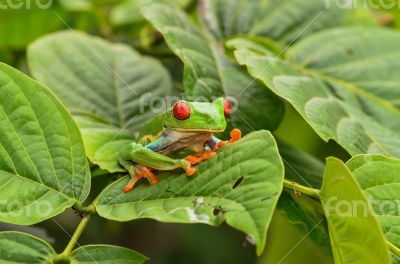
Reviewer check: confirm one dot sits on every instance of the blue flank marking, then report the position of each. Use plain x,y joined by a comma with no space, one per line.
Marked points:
152,147
160,142
213,142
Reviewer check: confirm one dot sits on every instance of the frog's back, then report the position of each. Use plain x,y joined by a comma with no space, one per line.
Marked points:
152,129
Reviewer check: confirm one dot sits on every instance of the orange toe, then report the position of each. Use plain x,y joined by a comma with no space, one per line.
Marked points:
221,144
128,188
235,134
190,171
146,170
207,155
193,160
211,154
153,180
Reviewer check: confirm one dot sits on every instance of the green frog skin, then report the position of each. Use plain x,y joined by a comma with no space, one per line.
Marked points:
187,126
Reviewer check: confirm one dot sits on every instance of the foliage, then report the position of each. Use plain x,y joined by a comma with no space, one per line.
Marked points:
41,150
91,64
348,237
79,78
241,187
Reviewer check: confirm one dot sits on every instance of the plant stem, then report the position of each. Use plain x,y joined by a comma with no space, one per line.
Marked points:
393,248
87,211
311,192
76,235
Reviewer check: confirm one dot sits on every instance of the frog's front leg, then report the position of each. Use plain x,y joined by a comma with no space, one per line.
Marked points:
200,157
235,134
139,161
212,145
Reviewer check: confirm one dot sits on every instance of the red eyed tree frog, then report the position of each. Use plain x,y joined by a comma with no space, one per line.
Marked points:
187,126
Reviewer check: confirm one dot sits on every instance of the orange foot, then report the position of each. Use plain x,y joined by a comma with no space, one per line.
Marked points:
235,134
190,171
129,187
196,159
200,157
141,172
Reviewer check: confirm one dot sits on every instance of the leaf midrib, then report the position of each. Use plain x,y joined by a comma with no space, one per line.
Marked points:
78,78
43,136
23,146
349,86
361,61
35,182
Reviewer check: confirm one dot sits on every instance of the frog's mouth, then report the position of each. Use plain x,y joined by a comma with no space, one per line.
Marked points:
200,130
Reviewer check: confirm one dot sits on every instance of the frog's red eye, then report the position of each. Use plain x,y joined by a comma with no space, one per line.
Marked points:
181,111
227,108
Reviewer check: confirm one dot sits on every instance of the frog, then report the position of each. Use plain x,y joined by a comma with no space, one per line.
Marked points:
186,127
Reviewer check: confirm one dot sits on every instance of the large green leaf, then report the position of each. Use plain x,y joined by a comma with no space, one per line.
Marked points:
379,177
345,84
354,231
240,186
16,247
106,254
43,166
209,73
284,20
109,86
98,78
20,26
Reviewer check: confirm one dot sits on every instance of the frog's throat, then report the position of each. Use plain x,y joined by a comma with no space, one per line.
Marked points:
188,130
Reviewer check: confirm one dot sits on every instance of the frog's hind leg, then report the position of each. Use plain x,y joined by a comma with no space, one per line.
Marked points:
139,161
148,174
135,174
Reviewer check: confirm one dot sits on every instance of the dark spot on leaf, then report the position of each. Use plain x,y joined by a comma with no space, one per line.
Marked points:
238,182
334,90
268,197
168,190
350,52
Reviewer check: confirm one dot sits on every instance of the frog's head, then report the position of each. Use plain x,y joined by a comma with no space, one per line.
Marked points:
197,116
